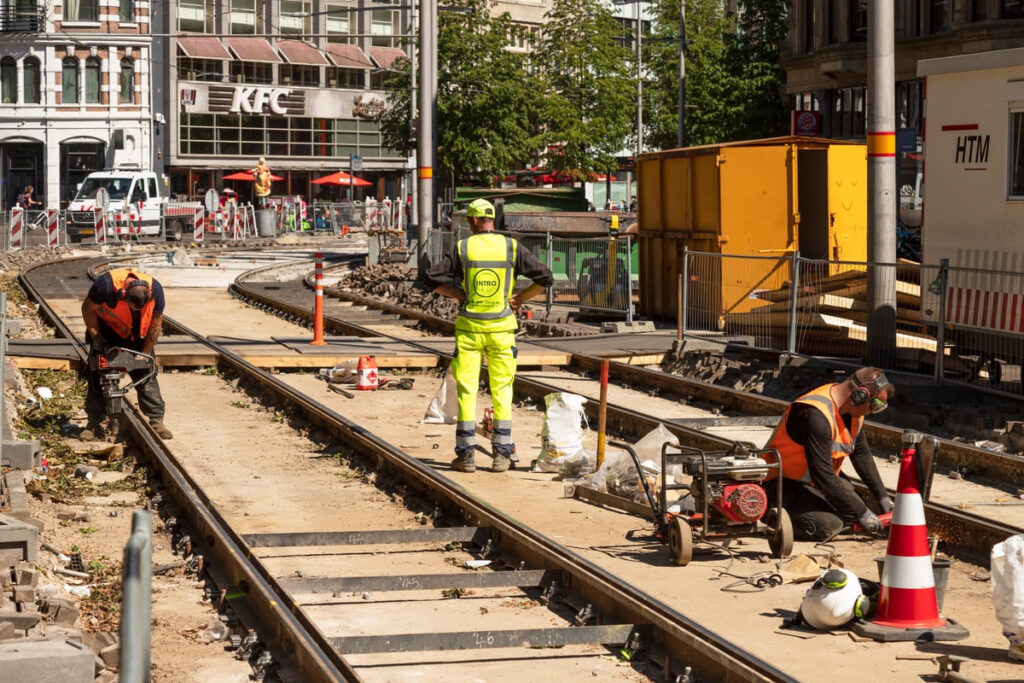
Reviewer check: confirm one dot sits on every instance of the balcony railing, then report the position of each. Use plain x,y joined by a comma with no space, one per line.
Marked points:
22,19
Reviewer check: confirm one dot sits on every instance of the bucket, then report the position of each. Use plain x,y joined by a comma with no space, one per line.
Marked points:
266,222
940,572
366,375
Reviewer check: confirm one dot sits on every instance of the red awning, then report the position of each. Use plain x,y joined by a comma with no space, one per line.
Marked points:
201,47
348,56
297,52
253,50
386,56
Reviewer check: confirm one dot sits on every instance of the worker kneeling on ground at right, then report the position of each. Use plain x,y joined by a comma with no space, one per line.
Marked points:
124,309
815,436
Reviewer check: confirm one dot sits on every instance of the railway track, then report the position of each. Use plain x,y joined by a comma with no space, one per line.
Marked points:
965,533
596,607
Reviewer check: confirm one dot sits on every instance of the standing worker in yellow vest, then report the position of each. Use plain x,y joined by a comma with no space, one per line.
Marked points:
480,272
126,309
817,433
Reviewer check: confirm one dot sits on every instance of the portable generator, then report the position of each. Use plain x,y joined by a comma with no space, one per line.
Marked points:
726,499
110,366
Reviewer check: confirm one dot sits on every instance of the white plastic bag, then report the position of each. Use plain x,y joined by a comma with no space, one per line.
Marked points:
562,432
1008,591
618,474
444,407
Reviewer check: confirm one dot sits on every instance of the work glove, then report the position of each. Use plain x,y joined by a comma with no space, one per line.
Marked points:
98,346
870,523
886,504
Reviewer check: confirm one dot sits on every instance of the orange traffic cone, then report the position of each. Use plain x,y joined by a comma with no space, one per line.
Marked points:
366,374
907,605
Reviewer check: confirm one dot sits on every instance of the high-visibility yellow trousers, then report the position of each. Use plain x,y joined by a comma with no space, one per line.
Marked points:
500,350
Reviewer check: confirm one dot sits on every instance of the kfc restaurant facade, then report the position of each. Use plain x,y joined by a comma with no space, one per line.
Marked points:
240,98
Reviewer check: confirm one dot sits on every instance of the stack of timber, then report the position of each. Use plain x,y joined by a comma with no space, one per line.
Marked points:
832,316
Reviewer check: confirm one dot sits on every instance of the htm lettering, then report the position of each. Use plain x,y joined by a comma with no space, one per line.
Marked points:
972,149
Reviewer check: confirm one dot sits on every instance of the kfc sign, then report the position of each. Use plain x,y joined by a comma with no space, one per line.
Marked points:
253,100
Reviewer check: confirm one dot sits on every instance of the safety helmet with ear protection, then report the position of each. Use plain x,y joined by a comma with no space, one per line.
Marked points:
834,600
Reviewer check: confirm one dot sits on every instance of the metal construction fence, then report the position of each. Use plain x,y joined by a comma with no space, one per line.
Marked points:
954,324
583,280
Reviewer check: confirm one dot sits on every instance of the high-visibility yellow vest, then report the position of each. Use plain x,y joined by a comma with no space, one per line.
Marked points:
488,279
794,459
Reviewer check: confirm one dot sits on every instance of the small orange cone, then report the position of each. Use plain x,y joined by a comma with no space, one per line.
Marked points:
907,605
366,374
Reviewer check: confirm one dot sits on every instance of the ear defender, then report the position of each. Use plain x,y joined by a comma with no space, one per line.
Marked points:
862,394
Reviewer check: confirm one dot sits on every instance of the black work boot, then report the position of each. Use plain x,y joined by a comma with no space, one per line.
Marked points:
93,431
161,430
463,461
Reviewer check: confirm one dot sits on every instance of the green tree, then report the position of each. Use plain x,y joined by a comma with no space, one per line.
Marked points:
586,104
484,98
733,77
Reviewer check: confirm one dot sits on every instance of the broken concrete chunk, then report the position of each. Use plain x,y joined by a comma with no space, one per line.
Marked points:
111,655
86,471
24,594
74,515
25,574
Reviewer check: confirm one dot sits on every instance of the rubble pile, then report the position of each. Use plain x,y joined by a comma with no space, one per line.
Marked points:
981,424
394,283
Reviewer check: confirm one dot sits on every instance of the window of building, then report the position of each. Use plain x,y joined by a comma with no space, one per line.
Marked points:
939,15
835,20
30,79
299,74
1016,189
1013,8
126,11
195,16
345,78
848,105
858,20
384,26
92,81
339,23
69,81
8,80
805,101
907,19
290,23
251,72
809,22
244,16
81,10
126,94
191,69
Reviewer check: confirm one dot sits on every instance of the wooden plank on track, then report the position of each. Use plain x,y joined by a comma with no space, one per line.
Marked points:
30,363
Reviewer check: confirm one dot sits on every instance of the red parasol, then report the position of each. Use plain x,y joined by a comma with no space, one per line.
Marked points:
343,179
247,175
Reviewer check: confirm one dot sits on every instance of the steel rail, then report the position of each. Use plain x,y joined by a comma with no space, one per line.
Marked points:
691,644
969,534
289,633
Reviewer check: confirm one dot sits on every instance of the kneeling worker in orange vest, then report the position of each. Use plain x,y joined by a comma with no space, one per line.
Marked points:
125,309
815,436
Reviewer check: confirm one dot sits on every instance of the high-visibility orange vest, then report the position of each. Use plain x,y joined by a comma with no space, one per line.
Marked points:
794,460
119,318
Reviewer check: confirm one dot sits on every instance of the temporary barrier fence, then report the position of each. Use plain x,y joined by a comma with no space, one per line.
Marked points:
954,324
17,234
52,228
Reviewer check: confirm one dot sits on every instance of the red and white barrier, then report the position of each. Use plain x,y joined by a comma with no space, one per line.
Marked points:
52,228
318,303
17,228
99,225
236,223
197,225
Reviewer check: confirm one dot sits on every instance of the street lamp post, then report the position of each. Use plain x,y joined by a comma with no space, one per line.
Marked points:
425,131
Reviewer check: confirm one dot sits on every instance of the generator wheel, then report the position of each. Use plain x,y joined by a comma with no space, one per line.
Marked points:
680,541
781,541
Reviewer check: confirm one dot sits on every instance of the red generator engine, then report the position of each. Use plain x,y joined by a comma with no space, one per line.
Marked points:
725,498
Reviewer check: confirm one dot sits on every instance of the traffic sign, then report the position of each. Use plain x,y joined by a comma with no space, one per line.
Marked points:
356,163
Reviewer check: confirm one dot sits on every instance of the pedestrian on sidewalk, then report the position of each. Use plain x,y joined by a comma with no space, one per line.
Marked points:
480,272
124,309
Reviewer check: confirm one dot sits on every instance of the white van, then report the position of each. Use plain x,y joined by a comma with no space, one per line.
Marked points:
125,188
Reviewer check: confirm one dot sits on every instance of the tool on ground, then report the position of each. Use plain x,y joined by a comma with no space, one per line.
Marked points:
884,519
725,499
405,383
343,392
110,365
908,606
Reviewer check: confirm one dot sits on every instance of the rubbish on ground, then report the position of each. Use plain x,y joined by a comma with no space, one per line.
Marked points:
71,573
562,432
45,393
214,632
1007,564
800,569
164,568
477,564
444,407
345,371
86,471
78,591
